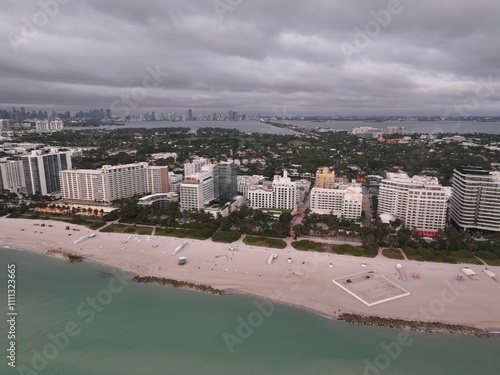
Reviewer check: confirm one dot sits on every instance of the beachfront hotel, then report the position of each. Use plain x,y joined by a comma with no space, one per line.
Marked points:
280,194
113,182
41,170
12,176
157,179
198,190
420,201
261,196
344,202
475,202
285,192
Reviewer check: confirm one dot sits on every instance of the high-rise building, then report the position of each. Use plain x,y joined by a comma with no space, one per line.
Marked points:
41,170
285,192
12,176
175,181
47,126
225,181
197,190
195,166
109,183
280,194
245,182
475,201
325,179
190,114
420,201
157,179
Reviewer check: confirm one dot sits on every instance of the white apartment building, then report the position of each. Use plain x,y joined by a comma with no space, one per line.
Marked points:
47,126
420,201
164,155
106,184
303,186
198,189
12,176
245,182
285,192
427,207
261,196
367,132
175,181
41,170
353,203
281,194
475,201
195,166
346,202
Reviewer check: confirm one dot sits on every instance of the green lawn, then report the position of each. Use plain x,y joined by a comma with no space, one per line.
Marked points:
490,258
441,256
226,236
357,251
306,245
131,229
265,242
196,234
345,249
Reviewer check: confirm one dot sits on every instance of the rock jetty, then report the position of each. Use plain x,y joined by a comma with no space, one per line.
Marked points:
178,284
72,258
412,325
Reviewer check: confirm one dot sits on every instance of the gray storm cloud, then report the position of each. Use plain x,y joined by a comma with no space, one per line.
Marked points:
310,57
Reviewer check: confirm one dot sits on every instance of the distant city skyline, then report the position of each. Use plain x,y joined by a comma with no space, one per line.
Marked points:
281,58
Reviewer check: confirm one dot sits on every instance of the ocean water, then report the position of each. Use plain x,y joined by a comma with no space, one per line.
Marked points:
425,127
82,319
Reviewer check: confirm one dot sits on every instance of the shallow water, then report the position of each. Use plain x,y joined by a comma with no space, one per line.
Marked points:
121,327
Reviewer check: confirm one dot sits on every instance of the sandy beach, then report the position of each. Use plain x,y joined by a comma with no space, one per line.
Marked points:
306,281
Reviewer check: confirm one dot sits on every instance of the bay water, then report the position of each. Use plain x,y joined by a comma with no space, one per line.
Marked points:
247,126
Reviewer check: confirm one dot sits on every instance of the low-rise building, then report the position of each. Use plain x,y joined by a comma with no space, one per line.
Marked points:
161,200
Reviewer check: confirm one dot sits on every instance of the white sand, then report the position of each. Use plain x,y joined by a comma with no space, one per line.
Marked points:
436,296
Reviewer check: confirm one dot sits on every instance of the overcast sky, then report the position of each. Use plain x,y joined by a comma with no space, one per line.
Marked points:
282,57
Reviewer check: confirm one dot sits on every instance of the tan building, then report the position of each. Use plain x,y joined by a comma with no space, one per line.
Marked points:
325,179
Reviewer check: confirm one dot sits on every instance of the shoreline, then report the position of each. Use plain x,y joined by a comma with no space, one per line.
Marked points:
245,272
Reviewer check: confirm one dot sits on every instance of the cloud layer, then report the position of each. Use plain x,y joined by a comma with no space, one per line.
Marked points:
289,56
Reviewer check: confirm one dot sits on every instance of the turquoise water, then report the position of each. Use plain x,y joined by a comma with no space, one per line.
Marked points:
148,329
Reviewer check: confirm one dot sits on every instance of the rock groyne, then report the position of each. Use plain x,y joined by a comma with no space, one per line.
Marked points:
72,258
412,325
178,284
